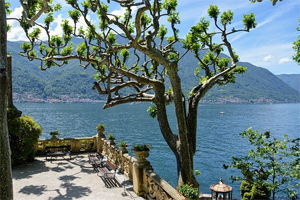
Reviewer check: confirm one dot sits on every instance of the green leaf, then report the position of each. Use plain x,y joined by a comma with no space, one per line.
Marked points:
35,33
213,11
75,15
169,5
48,20
249,21
111,38
80,49
25,46
162,32
226,17
152,111
67,51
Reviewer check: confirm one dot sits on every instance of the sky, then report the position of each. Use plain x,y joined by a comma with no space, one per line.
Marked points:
269,45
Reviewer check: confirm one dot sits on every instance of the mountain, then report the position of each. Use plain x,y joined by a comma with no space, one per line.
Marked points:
73,83
257,84
292,80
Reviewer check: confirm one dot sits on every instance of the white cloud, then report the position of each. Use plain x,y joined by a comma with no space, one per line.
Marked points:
268,58
121,12
284,60
16,33
58,21
16,13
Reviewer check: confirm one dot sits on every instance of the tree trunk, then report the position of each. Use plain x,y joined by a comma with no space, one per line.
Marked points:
9,82
6,189
186,140
185,168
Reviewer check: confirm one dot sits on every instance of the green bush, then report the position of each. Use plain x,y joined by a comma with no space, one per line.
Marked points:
188,191
255,190
260,191
23,134
245,187
247,196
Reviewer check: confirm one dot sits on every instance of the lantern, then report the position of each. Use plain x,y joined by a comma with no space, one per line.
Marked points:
221,191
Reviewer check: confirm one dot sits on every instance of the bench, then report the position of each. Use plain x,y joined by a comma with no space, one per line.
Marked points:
108,173
96,160
104,168
55,151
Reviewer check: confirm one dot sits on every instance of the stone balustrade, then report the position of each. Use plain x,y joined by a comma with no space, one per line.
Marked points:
146,182
78,145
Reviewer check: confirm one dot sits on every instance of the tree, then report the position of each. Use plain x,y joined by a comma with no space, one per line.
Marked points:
273,1
272,166
6,186
6,190
296,43
296,47
154,60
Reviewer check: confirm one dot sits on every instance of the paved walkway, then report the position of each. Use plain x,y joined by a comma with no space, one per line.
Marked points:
65,179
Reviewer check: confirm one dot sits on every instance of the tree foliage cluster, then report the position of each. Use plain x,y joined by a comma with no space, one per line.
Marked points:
296,46
271,167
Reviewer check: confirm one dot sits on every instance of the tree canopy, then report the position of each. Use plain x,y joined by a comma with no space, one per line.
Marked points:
147,33
272,166
296,46
273,1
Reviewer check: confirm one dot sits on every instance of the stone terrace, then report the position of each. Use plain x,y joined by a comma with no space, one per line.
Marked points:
65,179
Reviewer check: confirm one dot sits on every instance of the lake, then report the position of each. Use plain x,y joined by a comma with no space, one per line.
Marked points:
218,136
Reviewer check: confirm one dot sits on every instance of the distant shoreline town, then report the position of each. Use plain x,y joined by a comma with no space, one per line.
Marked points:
29,98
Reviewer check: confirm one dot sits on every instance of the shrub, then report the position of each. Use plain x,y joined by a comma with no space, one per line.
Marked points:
245,187
188,191
247,196
255,190
23,134
260,191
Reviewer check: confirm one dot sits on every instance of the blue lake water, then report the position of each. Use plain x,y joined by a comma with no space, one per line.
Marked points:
218,136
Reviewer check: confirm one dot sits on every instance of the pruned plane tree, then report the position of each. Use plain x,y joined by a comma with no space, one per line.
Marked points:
134,56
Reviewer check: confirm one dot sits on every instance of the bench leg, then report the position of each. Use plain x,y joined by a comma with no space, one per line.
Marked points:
105,182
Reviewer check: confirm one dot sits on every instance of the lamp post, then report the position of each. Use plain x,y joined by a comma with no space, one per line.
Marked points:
221,191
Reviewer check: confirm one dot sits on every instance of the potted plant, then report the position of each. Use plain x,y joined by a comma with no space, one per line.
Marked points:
100,129
111,138
54,134
123,145
141,147
141,150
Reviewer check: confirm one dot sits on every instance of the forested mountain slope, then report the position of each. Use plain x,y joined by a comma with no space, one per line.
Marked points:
292,80
73,83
